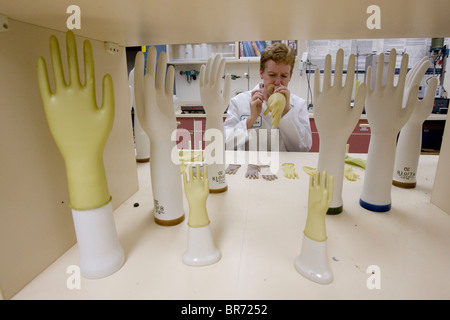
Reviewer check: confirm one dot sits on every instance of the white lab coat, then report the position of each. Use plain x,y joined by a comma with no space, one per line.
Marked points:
294,130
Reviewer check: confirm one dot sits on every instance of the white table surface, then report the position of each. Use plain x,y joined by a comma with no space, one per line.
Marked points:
258,227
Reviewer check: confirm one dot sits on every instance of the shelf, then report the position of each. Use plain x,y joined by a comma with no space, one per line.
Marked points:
232,52
253,49
255,266
135,23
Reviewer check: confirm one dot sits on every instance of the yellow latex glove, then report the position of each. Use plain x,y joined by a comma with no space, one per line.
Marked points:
184,159
309,170
289,170
188,156
197,191
319,200
349,174
79,128
275,105
355,161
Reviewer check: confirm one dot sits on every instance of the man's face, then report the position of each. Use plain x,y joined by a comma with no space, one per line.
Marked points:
276,73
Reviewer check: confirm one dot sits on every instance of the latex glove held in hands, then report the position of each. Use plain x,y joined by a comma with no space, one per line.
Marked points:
275,105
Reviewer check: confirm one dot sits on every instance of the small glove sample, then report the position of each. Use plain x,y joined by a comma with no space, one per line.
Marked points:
349,174
309,170
266,173
197,191
289,170
184,159
232,168
355,161
252,171
189,156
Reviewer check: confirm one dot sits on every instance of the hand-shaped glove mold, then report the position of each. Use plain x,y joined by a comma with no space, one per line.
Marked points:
140,137
80,130
201,249
312,262
335,120
154,105
410,139
215,103
388,108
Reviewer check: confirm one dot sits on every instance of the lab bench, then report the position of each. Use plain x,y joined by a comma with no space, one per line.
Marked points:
258,227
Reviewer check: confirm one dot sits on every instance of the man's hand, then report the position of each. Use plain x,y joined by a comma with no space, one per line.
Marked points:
256,103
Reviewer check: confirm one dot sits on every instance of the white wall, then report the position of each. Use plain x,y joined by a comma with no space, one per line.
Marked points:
298,85
35,219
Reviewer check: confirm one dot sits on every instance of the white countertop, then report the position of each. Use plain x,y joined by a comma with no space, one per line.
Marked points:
258,227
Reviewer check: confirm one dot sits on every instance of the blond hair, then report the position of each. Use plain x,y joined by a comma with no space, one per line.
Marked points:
280,53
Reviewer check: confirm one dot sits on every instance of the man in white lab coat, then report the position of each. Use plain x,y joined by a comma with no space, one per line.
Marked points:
245,116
